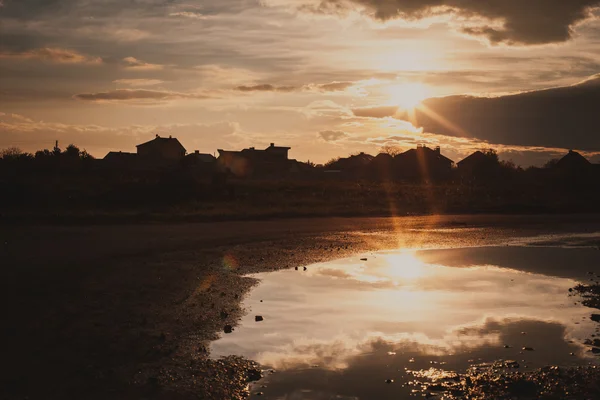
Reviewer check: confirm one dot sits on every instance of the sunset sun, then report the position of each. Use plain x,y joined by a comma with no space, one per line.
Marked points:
408,95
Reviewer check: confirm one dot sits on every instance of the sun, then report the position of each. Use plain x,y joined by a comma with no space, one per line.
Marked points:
408,95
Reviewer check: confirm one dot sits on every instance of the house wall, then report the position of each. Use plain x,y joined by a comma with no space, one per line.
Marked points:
278,152
165,150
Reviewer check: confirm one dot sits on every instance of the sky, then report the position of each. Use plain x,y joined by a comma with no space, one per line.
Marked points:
326,77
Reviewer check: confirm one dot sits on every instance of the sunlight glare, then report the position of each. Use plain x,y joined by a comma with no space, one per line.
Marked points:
408,95
405,266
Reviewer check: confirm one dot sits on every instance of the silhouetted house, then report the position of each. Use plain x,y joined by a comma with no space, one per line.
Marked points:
423,164
200,163
382,167
199,158
121,160
573,161
353,166
272,161
161,148
479,166
573,170
157,154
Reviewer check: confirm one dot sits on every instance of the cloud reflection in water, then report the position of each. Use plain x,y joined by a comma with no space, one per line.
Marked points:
341,328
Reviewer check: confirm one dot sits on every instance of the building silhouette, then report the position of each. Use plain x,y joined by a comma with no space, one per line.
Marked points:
253,162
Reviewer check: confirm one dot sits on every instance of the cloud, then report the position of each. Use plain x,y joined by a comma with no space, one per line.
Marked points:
139,65
375,112
332,136
138,82
332,87
319,87
512,22
564,117
266,88
138,94
216,73
52,54
188,14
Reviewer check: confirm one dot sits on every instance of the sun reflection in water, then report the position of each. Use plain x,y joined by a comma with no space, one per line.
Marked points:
405,266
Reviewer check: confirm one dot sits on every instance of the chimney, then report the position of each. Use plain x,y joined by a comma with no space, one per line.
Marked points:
438,149
170,137
157,136
197,151
272,144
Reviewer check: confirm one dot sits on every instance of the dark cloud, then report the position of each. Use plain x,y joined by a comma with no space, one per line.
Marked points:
137,94
514,22
332,136
266,88
51,54
565,117
320,87
334,86
135,64
375,112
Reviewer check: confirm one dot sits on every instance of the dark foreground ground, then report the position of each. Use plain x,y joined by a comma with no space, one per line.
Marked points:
127,311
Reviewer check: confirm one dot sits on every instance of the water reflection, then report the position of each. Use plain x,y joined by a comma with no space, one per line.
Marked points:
342,328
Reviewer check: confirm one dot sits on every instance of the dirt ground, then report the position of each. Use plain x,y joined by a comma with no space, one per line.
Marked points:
127,311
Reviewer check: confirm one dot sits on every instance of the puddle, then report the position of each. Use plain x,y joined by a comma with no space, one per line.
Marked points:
342,329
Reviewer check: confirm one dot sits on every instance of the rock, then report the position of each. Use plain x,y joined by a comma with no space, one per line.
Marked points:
389,381
305,268
527,349
259,393
254,374
363,259
596,317
506,346
296,268
228,329
224,315
258,318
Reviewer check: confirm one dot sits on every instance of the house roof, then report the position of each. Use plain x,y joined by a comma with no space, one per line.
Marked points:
161,141
475,157
427,151
573,159
120,155
252,150
354,161
203,157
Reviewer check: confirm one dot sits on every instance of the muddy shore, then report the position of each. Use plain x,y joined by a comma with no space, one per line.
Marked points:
127,311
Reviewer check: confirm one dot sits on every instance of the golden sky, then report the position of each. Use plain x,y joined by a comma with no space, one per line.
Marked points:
327,78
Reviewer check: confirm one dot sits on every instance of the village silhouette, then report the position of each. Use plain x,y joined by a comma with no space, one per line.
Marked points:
161,175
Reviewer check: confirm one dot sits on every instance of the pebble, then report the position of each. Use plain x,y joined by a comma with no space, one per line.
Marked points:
258,318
